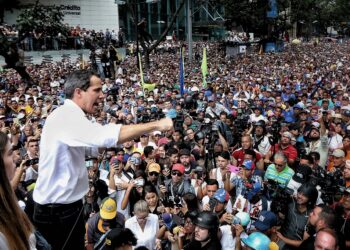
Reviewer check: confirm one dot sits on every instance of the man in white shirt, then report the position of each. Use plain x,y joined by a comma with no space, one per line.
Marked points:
63,179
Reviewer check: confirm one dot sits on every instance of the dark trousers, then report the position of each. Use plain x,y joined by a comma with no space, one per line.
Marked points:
58,222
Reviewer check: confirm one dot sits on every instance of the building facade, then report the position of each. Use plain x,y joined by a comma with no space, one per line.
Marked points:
89,14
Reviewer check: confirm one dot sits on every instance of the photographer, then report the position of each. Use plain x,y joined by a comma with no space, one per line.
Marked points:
318,140
261,141
176,187
291,233
286,147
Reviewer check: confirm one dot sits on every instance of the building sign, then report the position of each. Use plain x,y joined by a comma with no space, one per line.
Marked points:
73,10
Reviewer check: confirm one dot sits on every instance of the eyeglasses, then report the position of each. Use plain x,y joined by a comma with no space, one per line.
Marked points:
141,219
153,174
279,165
176,173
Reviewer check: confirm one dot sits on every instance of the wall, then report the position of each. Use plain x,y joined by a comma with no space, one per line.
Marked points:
90,14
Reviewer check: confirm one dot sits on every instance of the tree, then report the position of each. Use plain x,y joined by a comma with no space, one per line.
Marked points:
47,20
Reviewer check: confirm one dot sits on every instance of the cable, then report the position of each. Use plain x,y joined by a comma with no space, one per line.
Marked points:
71,231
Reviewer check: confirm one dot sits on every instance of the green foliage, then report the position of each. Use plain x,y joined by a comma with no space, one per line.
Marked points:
47,20
251,14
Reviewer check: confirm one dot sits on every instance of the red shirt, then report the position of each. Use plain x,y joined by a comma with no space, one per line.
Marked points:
290,152
238,154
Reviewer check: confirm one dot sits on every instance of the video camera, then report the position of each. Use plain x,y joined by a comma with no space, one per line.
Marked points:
278,195
332,186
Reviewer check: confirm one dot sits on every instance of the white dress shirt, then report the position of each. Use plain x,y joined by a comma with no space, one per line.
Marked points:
62,173
148,236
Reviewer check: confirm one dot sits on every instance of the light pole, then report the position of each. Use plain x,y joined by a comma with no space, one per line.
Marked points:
189,30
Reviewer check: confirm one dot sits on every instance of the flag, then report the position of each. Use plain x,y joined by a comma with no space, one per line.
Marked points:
181,74
183,58
261,51
204,68
141,72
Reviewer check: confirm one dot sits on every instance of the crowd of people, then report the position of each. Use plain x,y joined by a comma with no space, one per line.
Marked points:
68,38
257,159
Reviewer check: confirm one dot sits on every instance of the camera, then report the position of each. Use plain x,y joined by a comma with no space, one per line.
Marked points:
32,162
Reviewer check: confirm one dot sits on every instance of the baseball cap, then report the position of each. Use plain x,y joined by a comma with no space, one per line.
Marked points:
157,133
108,209
338,153
266,220
221,195
179,167
248,164
154,167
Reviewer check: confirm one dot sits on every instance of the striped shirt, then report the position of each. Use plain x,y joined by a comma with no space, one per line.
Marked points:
282,177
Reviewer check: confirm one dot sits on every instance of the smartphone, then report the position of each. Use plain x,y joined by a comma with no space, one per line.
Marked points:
140,182
212,203
89,163
32,162
235,220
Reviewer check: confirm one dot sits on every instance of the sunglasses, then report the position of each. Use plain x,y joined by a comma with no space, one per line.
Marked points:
176,173
153,174
279,165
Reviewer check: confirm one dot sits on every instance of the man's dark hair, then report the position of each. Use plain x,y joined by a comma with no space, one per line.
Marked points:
223,113
119,237
211,182
250,152
147,150
308,158
172,151
315,155
79,79
225,155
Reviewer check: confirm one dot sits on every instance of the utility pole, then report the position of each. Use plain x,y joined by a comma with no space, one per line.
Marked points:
189,29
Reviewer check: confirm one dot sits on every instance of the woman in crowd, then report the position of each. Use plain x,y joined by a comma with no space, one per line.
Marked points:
135,190
144,225
152,199
187,231
16,231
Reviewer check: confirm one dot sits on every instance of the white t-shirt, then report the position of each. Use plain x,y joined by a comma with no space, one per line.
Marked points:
120,195
148,236
62,175
227,241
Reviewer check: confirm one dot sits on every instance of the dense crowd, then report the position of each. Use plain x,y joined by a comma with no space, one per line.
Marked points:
68,38
258,159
